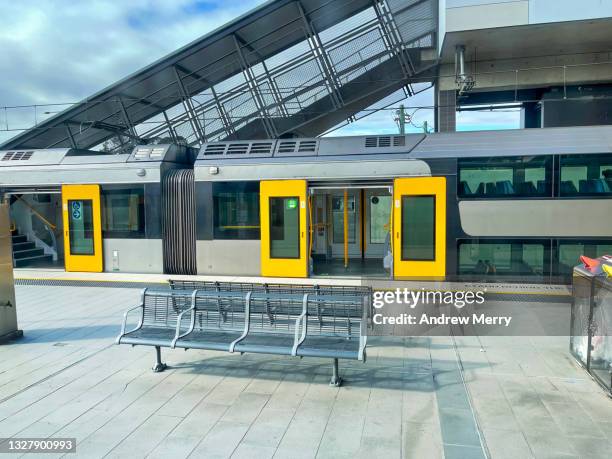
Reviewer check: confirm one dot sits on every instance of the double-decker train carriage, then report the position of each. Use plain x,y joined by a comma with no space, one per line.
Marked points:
487,205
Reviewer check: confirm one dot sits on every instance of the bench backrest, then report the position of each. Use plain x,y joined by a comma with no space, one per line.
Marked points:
290,289
331,311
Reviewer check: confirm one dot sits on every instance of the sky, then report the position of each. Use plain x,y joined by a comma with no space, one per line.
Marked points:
61,51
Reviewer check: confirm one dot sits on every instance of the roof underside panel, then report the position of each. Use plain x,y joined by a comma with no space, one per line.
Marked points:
287,67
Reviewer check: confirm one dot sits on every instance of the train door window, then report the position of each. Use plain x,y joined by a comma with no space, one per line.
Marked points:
418,228
380,210
80,227
284,227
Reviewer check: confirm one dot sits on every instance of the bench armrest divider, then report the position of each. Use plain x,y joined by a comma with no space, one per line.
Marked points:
179,320
247,319
300,337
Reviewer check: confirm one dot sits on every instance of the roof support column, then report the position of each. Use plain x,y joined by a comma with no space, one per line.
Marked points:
191,113
325,65
252,84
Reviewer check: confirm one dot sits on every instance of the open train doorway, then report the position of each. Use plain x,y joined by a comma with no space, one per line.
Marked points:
36,228
350,230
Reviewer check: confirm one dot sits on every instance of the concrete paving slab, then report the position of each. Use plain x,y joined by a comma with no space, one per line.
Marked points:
415,397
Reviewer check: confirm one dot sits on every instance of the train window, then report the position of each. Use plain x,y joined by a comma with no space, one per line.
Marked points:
496,258
585,175
236,210
526,176
570,251
419,228
123,214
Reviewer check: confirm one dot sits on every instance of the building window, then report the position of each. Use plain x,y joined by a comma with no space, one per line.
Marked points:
236,210
489,259
585,175
570,251
123,214
527,176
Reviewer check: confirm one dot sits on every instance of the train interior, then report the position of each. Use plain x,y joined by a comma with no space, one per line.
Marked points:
37,229
350,231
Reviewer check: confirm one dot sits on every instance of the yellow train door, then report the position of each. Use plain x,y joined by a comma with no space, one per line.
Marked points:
82,228
283,228
419,227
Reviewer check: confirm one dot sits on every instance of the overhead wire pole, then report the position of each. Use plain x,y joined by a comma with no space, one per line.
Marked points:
193,119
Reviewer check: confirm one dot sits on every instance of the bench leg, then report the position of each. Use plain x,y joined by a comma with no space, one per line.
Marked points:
336,380
159,366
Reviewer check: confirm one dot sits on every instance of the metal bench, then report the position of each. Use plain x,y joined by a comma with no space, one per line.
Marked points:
322,322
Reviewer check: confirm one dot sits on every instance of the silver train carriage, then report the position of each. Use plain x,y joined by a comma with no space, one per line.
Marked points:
484,206
83,210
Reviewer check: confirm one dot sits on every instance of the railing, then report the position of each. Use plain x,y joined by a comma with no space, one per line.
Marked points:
36,213
49,227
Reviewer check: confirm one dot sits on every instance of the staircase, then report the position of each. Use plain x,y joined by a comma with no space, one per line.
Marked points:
26,254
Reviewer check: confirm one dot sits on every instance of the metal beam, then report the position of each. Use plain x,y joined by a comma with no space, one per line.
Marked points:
320,55
170,128
252,83
126,118
275,91
70,136
191,113
391,38
225,118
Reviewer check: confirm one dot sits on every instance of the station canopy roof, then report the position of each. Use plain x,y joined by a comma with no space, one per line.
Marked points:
286,68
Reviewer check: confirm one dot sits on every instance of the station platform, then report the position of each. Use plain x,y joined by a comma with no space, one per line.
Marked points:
510,291
436,397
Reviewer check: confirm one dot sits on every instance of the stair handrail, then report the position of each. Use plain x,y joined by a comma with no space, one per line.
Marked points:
37,214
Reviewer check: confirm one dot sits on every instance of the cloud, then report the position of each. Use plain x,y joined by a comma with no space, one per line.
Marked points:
56,51
59,52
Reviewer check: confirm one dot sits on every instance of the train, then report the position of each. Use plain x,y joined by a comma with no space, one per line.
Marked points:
490,206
